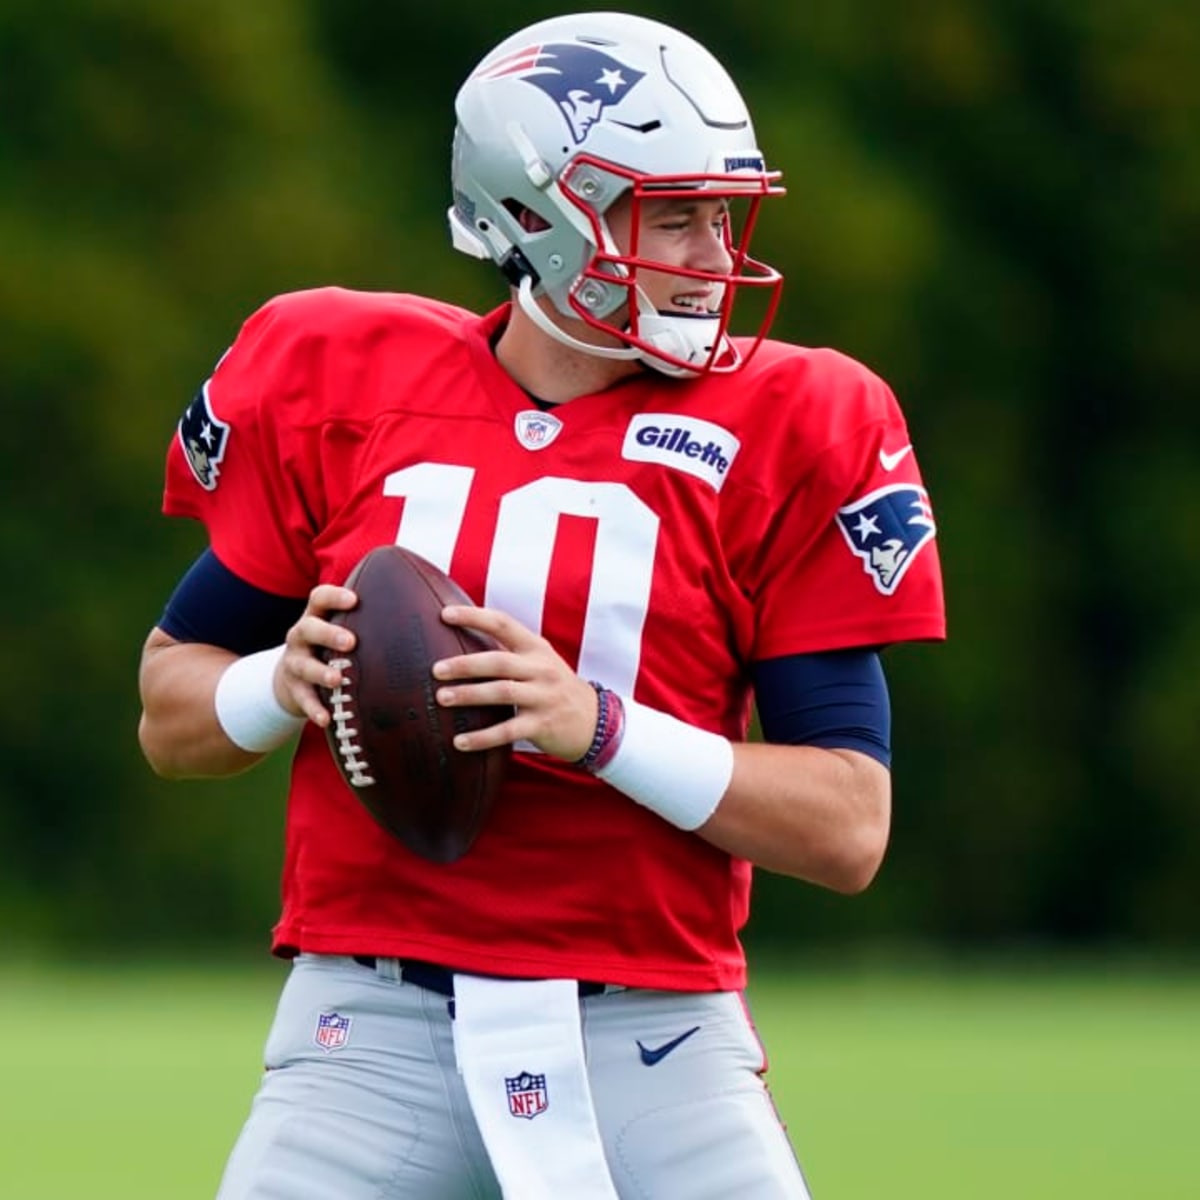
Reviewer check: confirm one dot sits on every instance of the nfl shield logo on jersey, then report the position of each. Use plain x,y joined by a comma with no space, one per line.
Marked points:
333,1031
536,430
526,1095
887,529
203,438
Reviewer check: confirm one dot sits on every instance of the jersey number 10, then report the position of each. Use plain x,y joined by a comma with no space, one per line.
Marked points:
436,496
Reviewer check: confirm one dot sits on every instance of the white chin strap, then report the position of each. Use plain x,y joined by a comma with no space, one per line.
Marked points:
534,311
685,337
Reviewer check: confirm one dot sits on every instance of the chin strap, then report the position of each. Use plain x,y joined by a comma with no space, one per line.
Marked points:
685,337
534,311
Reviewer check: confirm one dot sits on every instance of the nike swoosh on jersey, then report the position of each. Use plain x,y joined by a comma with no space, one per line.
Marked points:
889,462
650,1056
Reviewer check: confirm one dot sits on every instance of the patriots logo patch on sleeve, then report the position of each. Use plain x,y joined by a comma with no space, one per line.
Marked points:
887,529
203,437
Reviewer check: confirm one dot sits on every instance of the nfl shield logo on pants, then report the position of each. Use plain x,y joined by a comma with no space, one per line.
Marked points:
333,1031
526,1095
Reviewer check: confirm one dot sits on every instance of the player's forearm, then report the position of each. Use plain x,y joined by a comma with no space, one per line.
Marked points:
179,732
820,815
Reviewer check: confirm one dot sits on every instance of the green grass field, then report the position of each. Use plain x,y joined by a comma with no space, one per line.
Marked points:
130,1083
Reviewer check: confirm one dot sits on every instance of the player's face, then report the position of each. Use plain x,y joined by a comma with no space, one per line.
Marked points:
691,233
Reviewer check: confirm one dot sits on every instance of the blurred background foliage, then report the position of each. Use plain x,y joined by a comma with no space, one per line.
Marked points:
995,205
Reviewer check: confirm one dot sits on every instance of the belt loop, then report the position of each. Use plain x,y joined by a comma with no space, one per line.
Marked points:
388,968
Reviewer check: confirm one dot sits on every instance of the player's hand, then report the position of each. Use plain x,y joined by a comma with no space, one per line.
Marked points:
300,671
556,709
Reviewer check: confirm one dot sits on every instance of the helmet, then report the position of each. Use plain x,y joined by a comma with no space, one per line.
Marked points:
566,117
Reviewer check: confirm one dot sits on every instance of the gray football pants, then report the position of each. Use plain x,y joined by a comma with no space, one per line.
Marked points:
376,1110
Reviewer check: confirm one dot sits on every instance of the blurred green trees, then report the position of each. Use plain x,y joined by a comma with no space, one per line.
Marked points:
997,206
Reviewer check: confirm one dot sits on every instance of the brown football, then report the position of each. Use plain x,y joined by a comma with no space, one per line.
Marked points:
391,740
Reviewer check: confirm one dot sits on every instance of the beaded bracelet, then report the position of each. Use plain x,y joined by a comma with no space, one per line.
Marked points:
614,731
610,725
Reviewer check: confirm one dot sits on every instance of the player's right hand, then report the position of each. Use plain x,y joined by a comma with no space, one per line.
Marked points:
301,670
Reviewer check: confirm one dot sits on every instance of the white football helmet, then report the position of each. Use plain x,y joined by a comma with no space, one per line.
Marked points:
561,120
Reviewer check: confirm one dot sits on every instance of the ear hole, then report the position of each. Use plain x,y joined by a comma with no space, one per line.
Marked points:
529,220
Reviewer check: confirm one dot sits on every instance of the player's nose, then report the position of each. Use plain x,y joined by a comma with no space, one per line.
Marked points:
710,251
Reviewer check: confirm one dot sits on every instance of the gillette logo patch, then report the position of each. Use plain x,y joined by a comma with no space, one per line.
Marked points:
698,447
682,441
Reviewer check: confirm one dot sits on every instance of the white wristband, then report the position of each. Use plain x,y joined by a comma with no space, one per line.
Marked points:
247,709
674,769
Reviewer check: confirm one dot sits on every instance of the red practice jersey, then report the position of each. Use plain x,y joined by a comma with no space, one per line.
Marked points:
662,534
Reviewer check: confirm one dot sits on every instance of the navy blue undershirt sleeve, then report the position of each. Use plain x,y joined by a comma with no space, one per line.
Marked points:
213,605
837,699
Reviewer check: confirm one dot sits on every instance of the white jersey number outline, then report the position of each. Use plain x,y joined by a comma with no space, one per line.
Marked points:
435,502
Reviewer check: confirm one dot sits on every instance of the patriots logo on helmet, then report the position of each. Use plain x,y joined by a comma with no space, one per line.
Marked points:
581,80
203,437
887,529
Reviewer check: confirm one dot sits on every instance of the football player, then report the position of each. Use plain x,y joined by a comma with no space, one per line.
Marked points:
665,518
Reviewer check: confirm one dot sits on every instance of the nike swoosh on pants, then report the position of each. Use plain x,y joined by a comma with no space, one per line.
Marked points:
652,1055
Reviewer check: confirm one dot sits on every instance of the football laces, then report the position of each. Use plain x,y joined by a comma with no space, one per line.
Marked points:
355,766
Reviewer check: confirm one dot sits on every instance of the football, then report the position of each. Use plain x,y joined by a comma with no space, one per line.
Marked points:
392,742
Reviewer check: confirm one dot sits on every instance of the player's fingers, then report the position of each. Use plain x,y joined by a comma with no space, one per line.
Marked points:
506,629
560,720
313,631
304,673
488,664
330,597
525,726
503,733
309,702
485,694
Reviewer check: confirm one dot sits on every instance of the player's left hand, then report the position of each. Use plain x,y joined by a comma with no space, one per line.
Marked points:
556,710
